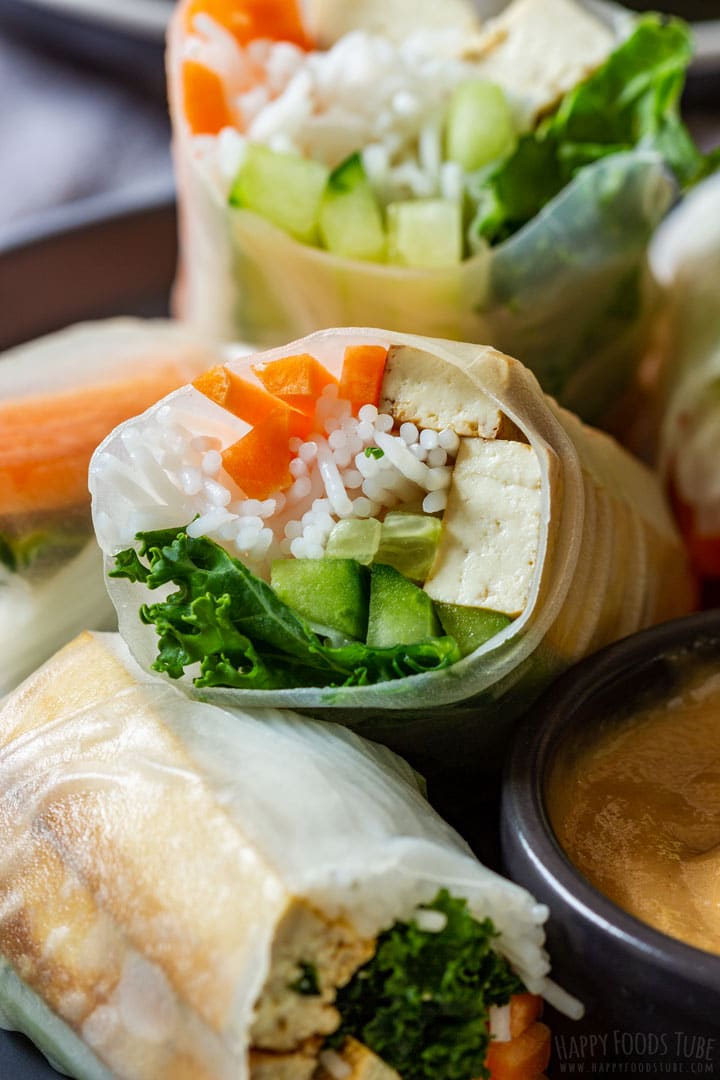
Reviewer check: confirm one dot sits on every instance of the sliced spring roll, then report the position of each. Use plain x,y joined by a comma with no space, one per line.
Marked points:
492,182
59,397
192,893
403,531
686,259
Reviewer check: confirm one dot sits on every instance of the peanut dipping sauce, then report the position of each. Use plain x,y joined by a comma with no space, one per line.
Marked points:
638,812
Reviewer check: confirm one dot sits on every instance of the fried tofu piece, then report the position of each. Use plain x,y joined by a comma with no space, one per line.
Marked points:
422,389
364,1065
538,50
490,539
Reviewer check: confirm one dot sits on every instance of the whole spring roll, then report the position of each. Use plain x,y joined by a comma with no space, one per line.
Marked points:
193,894
59,397
686,259
483,182
401,532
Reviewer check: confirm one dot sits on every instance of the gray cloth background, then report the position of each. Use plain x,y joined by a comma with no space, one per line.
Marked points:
68,132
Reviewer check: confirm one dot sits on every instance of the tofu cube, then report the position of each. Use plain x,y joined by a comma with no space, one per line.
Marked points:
490,541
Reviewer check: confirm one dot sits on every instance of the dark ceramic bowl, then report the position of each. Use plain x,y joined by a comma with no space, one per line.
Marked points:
652,1003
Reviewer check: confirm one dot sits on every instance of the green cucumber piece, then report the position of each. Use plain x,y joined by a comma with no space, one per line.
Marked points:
351,223
400,613
471,627
426,233
332,592
480,126
409,542
284,188
354,538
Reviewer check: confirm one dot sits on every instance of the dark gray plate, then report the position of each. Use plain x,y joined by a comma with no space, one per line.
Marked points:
125,38
104,256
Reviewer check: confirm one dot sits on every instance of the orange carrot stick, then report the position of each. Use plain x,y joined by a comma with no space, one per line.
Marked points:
47,441
525,1009
362,374
204,101
297,380
259,463
247,400
523,1058
278,20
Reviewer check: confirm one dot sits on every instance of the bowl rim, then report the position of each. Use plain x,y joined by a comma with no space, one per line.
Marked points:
525,814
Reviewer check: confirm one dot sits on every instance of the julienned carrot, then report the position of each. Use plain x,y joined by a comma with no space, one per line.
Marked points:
297,380
362,374
47,441
259,463
204,101
278,20
247,400
522,1058
525,1009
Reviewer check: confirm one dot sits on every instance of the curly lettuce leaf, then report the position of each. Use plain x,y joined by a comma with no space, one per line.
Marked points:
631,101
242,635
422,1002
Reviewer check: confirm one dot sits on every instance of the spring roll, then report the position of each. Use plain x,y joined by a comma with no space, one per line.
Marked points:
187,892
401,532
481,182
59,397
686,259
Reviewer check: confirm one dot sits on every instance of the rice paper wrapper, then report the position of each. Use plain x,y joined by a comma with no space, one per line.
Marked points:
609,562
59,397
569,294
155,851
686,261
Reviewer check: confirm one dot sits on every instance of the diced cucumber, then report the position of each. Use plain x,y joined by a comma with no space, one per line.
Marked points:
425,233
354,538
351,223
328,591
480,126
400,613
284,188
471,627
409,542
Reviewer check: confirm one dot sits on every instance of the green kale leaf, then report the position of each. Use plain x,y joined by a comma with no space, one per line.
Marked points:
422,1002
241,634
631,101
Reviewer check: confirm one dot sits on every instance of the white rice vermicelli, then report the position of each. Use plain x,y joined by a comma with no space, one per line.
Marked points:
363,94
358,468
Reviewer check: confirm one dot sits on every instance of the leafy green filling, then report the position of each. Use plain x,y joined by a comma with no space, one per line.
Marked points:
307,983
25,552
631,101
422,1002
239,631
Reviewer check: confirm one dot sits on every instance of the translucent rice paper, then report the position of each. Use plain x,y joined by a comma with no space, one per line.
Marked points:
610,562
42,608
686,260
151,846
569,294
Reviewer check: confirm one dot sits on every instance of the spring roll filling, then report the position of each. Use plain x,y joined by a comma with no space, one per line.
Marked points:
381,135
290,551
34,545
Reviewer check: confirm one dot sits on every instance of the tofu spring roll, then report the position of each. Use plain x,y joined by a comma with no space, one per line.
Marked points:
404,533
686,259
483,182
59,397
193,894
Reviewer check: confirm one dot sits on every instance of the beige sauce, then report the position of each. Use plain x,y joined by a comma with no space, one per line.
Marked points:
639,814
